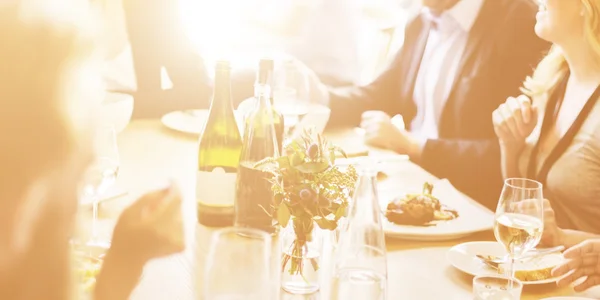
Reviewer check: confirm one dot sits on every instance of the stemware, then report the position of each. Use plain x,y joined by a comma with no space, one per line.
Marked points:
290,94
519,219
489,287
99,177
238,265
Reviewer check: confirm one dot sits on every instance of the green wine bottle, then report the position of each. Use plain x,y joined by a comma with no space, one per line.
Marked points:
218,155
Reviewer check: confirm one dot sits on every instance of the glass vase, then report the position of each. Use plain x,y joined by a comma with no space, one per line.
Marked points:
302,248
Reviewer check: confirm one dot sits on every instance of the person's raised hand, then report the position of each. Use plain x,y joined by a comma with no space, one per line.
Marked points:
152,227
514,121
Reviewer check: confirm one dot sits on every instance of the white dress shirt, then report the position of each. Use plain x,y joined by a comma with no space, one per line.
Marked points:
445,46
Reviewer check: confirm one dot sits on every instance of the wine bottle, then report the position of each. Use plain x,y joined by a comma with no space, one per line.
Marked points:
254,196
218,155
264,76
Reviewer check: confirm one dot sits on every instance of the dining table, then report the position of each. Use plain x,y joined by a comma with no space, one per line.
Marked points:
151,154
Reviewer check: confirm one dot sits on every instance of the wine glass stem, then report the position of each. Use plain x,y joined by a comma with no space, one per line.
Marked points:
94,218
511,268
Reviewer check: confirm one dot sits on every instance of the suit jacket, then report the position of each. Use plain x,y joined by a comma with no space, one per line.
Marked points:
502,49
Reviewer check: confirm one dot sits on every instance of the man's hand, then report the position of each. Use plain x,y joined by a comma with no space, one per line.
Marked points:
381,132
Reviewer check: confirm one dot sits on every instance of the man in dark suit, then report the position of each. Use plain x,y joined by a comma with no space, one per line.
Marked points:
460,60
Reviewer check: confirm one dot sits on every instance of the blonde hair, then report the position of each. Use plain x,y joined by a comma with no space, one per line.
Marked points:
554,66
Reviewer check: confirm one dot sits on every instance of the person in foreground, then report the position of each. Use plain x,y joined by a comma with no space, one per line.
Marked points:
552,133
460,60
46,130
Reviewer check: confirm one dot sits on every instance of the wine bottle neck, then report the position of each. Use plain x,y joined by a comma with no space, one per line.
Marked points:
262,92
222,91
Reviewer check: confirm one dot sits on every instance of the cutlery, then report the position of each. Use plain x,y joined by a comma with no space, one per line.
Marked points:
494,261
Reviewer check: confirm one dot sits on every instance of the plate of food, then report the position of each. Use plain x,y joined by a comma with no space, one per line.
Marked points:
435,213
533,269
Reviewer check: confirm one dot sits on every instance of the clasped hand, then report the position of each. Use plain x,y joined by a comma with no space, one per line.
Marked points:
514,121
381,132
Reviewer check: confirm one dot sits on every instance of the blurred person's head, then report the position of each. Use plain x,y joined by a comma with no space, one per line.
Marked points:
47,86
572,26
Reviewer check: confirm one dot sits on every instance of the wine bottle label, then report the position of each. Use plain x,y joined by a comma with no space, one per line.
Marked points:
216,188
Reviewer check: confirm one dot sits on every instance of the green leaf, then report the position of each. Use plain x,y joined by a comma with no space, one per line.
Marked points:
283,214
313,167
325,223
297,159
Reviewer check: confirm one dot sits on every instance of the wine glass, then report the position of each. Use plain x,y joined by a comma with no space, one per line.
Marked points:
100,176
290,94
519,220
243,256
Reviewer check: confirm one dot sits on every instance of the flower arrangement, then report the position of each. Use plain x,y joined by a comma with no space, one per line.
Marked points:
309,189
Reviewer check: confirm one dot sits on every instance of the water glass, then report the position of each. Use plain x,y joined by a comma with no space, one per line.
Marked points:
360,268
496,287
238,266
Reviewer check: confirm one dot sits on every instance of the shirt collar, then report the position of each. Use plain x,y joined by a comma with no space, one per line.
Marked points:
464,13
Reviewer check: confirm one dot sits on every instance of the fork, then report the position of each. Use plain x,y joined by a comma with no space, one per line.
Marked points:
495,261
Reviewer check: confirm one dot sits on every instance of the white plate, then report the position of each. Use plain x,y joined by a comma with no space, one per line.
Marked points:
472,218
191,121
567,298
463,257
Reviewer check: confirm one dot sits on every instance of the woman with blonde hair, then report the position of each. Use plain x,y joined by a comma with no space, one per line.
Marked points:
47,78
554,138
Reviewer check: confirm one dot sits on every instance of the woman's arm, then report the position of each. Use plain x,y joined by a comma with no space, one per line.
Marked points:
509,161
118,277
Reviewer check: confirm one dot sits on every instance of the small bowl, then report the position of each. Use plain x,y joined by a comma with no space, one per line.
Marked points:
117,109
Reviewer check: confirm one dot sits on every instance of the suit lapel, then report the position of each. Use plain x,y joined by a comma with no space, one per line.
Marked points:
417,35
476,35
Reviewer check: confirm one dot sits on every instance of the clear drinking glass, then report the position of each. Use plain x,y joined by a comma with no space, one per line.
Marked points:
519,220
496,287
100,176
290,94
360,259
238,265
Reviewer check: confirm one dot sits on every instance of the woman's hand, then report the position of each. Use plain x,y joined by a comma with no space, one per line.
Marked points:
150,228
583,260
514,121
